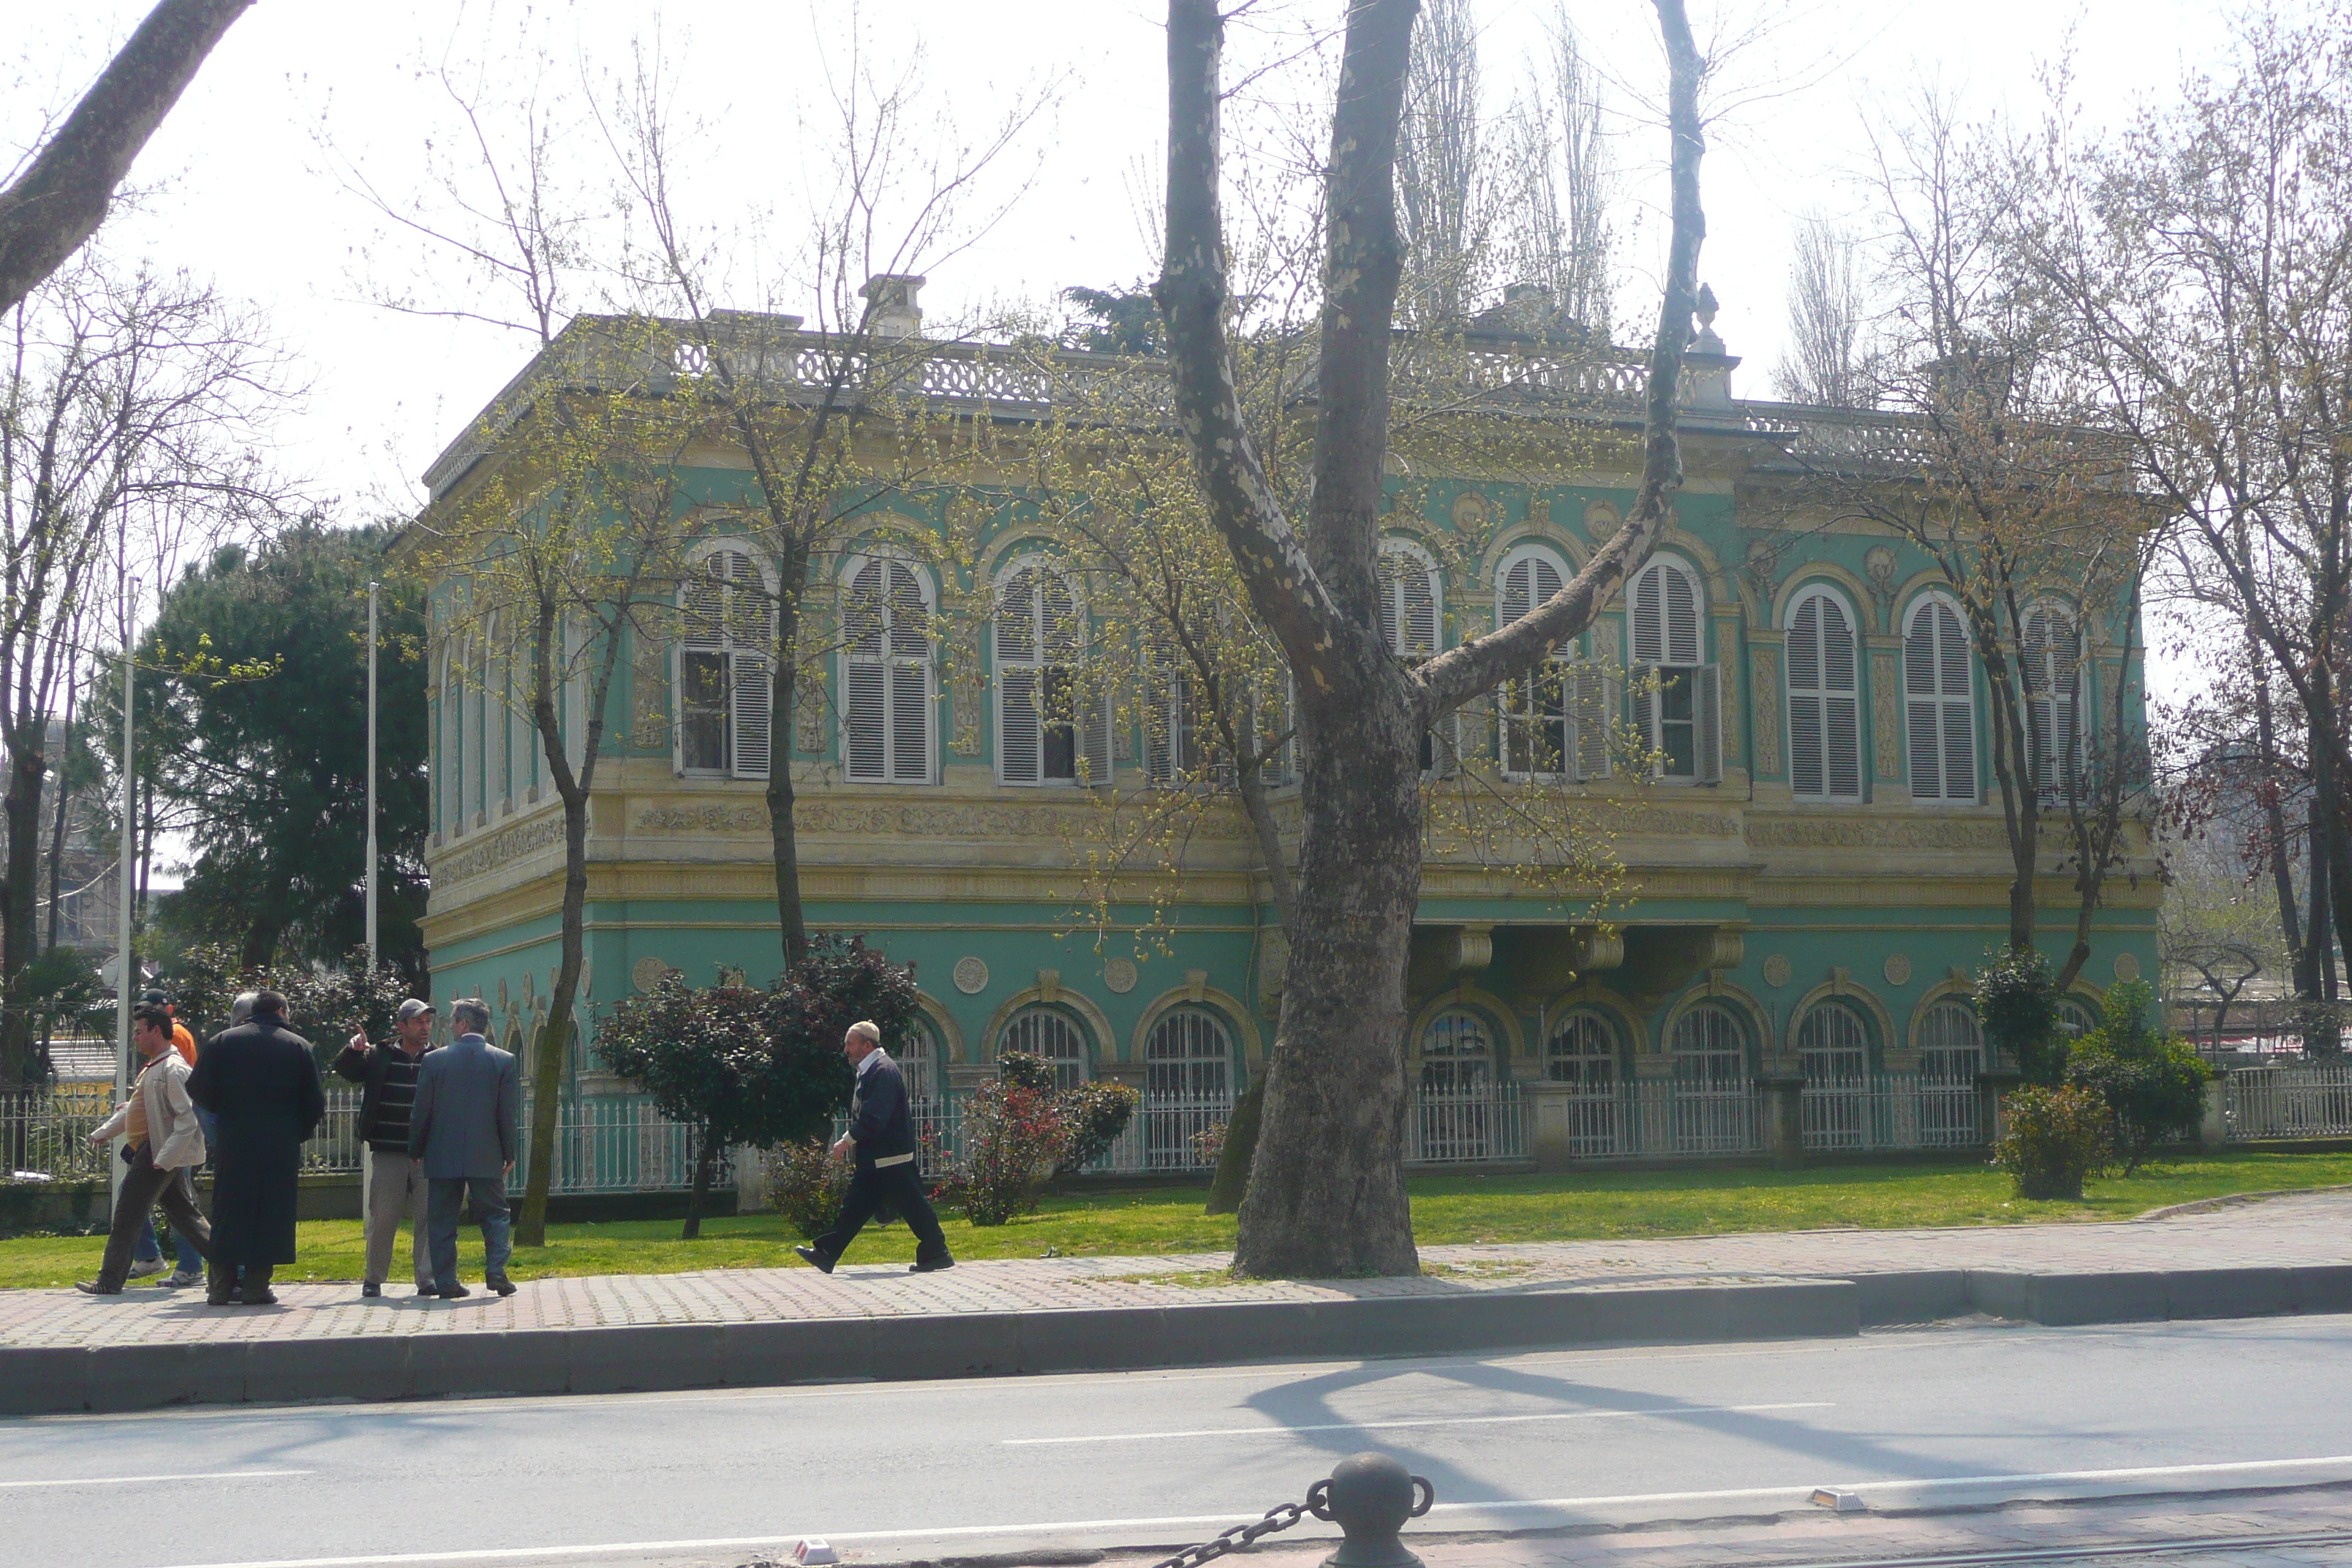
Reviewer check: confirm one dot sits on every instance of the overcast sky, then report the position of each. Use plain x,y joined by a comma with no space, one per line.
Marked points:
239,190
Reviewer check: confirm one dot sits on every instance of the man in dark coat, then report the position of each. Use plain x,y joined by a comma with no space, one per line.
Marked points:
259,1080
881,1137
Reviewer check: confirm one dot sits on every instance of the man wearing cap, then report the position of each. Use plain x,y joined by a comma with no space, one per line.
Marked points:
881,1139
147,1256
396,1183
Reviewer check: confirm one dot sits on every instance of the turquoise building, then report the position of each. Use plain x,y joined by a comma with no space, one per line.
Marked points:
1814,863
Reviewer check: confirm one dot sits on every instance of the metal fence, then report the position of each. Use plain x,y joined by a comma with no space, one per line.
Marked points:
1892,1111
2311,1101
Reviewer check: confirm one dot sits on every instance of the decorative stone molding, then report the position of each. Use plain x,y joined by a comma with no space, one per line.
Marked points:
1887,713
812,714
1897,969
1601,522
2127,966
1878,566
956,820
1871,833
1472,512
492,853
716,818
970,976
1049,985
649,972
1119,974
1778,970
1764,706
965,692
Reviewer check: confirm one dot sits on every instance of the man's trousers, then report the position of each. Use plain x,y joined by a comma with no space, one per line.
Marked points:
485,1200
145,1185
396,1190
901,1187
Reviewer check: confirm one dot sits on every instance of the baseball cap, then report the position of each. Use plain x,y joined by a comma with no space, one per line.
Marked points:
157,996
412,1007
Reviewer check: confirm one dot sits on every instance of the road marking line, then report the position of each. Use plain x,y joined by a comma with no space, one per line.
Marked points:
1429,1421
1795,1494
141,1481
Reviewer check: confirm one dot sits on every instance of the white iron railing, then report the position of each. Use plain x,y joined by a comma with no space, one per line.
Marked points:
1891,1110
2312,1101
1474,1125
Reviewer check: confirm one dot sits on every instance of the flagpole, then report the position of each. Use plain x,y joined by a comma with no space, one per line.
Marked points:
371,785
129,838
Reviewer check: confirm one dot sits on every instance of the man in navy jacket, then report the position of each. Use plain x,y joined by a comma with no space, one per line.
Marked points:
882,1137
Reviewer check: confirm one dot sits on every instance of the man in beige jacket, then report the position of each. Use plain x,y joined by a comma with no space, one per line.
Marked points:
164,1143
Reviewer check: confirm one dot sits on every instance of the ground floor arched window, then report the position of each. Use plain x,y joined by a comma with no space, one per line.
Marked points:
1951,1054
1582,1053
1713,1110
1453,1120
1188,1085
1833,1049
1054,1034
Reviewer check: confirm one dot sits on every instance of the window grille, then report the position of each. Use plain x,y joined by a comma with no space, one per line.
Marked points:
1057,1037
1941,697
1834,1053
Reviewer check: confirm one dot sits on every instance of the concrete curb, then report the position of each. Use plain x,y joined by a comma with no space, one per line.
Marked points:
49,1380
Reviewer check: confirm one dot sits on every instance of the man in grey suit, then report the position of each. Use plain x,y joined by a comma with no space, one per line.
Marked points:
464,1127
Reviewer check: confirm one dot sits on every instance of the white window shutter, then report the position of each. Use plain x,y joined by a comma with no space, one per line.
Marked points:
911,721
1420,610
1707,702
1020,737
1160,719
1515,595
863,743
751,701
1648,615
1095,719
1841,703
1681,618
1592,706
1921,702
1957,692
1807,769
1644,678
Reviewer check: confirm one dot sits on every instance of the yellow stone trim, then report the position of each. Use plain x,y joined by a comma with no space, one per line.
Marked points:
1756,1016
1223,1003
1839,984
943,1023
1594,995
1475,999
1055,994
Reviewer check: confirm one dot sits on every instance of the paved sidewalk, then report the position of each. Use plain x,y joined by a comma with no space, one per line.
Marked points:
2284,1233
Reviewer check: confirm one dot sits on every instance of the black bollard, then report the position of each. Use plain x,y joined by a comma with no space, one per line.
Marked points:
1371,1496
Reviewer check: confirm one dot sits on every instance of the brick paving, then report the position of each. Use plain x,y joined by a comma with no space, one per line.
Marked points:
2290,1231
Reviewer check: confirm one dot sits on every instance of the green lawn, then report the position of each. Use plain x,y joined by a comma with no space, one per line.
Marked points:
1578,1206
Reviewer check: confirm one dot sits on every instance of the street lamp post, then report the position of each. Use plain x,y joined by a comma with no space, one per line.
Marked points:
127,840
370,788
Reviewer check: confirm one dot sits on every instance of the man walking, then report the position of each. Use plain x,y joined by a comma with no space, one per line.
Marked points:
259,1080
147,1257
881,1137
396,1182
464,1127
164,1142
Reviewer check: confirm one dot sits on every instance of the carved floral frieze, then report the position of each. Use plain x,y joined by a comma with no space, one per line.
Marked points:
495,851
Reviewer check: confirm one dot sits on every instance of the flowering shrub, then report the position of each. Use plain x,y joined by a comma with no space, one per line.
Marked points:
1098,1113
806,1184
1014,1137
1209,1143
2153,1083
2056,1137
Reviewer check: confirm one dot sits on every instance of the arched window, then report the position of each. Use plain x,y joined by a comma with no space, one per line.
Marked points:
1951,1054
1554,720
888,702
1710,1048
724,691
1833,1050
1824,700
1186,1085
2076,1017
1457,1053
2050,658
1189,1056
1054,1035
1679,699
918,1055
1582,1054
1713,1110
1051,726
1941,701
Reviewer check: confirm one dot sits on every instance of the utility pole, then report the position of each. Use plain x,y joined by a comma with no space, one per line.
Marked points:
370,788
127,843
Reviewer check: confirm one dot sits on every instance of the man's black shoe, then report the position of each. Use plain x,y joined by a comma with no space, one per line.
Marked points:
500,1283
451,1292
371,1290
264,1297
933,1267
814,1259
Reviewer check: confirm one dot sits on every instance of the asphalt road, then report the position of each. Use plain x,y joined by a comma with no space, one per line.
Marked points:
1951,1414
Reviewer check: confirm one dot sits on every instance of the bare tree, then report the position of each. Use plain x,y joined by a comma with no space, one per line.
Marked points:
1558,231
1823,363
58,198
128,412
1326,1192
1442,211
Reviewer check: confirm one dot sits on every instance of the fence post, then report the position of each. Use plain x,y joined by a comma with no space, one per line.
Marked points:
1784,1116
2213,1130
750,1179
1553,1131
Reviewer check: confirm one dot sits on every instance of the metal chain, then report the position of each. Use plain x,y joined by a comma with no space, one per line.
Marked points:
1243,1535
